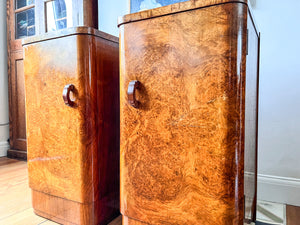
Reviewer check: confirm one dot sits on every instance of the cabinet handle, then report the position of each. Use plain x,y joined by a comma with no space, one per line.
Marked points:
132,86
66,95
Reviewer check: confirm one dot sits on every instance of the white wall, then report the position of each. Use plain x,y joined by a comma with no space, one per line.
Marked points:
4,130
109,11
279,105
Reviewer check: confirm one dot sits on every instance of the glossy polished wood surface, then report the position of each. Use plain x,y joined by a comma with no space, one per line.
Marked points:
183,148
73,152
174,8
90,13
15,196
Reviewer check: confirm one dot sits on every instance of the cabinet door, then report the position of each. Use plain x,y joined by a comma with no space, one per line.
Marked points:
62,141
182,144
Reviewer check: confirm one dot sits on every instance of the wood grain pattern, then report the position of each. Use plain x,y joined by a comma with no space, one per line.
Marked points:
90,13
126,221
65,211
174,8
17,154
13,44
17,103
67,32
292,215
85,14
182,150
16,89
15,196
73,152
24,217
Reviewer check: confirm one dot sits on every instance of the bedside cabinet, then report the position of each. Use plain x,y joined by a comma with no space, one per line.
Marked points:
188,109
72,110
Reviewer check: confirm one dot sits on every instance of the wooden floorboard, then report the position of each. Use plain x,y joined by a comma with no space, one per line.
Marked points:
14,191
24,217
48,222
292,215
117,221
15,196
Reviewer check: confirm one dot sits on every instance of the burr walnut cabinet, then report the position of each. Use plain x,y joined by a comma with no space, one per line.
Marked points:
188,114
72,115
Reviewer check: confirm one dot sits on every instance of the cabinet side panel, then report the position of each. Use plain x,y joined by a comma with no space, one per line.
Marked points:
182,149
251,122
108,102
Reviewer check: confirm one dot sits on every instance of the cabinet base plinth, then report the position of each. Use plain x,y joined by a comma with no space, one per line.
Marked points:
68,212
128,221
17,154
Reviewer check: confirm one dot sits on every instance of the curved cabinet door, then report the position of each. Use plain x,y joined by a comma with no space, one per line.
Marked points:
72,102
183,126
57,151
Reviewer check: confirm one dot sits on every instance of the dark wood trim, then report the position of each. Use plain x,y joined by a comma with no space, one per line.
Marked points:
12,43
90,13
14,53
16,154
16,142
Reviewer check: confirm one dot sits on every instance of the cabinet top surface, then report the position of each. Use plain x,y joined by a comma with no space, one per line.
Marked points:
174,8
69,32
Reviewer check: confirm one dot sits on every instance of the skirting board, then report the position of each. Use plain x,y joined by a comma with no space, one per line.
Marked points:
284,190
4,146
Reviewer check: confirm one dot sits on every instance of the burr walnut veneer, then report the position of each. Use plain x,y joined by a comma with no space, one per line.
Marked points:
72,110
188,109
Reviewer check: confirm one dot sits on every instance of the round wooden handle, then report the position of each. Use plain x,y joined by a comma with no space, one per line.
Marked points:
66,94
132,86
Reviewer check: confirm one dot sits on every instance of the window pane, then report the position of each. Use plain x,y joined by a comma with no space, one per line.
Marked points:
25,23
140,5
59,14
22,3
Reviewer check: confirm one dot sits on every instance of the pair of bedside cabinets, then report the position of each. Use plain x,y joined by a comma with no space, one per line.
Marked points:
172,134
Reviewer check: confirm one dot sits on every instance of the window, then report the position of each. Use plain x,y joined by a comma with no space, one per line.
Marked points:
140,5
58,14
24,18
